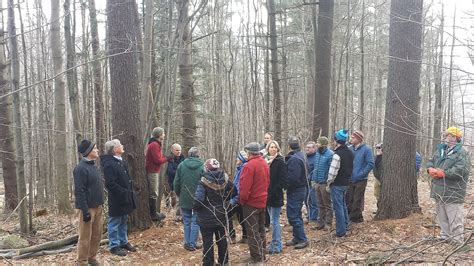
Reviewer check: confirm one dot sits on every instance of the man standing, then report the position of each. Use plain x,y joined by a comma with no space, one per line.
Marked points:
173,161
449,168
378,173
311,199
319,177
363,164
89,197
153,162
185,183
121,197
338,179
297,187
253,193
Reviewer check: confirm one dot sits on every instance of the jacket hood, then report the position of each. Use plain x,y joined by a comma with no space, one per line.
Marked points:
106,158
215,179
192,163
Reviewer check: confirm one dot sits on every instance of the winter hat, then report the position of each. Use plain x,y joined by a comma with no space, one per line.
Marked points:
157,131
85,147
455,132
252,147
323,141
341,136
294,142
358,134
243,156
211,165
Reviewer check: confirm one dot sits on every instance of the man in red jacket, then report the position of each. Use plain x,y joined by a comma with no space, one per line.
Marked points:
153,162
254,182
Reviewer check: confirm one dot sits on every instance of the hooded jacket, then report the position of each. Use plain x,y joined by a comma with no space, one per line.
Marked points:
456,164
186,180
211,201
119,185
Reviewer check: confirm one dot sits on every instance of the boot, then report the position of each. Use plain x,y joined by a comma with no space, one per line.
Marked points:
154,215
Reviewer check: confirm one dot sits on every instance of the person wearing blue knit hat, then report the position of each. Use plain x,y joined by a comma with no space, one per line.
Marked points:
338,180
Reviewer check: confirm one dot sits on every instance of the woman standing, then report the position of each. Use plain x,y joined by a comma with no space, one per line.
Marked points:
278,182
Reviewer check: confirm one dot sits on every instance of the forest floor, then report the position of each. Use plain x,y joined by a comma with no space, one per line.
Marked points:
410,240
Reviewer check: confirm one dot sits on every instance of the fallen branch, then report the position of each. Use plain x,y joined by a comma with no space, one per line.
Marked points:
457,249
49,245
46,252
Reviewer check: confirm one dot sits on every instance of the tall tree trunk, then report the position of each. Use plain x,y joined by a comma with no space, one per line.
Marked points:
438,91
29,103
323,69
450,81
96,69
71,73
185,71
6,135
362,70
122,34
146,89
62,174
274,63
20,160
405,36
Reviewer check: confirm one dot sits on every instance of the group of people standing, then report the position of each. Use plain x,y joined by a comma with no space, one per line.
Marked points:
330,182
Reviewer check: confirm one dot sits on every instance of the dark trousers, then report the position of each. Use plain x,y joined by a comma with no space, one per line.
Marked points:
255,223
208,245
355,201
240,216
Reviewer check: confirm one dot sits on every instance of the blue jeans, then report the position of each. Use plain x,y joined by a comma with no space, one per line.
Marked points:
191,228
294,203
312,205
275,245
117,231
338,197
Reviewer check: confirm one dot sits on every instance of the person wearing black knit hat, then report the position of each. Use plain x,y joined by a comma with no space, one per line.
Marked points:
89,198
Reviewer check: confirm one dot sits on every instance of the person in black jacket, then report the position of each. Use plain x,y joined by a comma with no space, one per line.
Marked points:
121,200
211,203
89,197
338,180
297,166
173,161
278,173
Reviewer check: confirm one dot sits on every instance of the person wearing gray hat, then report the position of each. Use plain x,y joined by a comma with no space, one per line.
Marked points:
297,165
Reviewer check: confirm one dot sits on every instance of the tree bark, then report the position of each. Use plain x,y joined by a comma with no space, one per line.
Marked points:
20,161
96,69
123,29
438,91
71,74
323,69
62,177
6,134
185,71
401,115
275,75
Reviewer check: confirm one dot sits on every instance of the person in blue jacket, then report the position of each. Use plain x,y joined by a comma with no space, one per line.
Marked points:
362,165
235,207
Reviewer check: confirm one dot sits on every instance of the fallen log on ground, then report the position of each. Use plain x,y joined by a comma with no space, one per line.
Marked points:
49,245
53,251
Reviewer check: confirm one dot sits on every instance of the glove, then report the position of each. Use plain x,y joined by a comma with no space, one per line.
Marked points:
86,217
431,171
439,173
328,189
436,173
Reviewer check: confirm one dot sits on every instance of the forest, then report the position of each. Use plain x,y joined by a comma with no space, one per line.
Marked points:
218,74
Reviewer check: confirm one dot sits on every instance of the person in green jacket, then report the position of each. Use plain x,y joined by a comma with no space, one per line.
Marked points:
185,183
449,168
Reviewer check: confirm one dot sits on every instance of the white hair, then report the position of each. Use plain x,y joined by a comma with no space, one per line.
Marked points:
110,145
176,146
